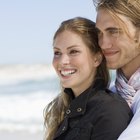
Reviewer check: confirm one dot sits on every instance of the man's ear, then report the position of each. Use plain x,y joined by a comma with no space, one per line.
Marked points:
98,59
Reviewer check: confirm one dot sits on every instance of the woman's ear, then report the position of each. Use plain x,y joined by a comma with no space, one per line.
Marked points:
98,59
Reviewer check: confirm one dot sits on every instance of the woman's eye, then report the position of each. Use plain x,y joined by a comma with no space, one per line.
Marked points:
74,52
56,53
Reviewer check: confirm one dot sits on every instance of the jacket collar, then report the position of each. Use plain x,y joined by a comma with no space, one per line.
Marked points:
78,105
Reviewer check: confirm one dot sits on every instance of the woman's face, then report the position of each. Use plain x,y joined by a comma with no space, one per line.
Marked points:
74,62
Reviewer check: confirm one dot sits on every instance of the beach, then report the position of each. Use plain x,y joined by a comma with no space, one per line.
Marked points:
21,135
25,90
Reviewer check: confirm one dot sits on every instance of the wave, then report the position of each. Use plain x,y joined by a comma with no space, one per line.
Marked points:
25,90
24,111
12,74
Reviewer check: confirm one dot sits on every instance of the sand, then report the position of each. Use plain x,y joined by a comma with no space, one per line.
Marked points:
20,135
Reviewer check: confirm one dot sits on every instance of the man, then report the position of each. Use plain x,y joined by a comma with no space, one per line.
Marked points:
118,25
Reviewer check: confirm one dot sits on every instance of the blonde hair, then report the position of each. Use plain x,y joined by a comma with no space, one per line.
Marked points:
85,28
127,8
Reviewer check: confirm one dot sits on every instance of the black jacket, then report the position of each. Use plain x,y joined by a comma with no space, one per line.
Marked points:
96,114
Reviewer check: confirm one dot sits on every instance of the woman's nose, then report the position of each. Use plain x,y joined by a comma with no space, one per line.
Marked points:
65,59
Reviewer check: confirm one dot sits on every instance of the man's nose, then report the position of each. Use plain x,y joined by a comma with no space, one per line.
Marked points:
105,42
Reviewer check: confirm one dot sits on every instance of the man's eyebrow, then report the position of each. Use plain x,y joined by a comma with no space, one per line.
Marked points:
113,28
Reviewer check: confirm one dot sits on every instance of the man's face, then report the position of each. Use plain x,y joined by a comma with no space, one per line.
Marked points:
118,48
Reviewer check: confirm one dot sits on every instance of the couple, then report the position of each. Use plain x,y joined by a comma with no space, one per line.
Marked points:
86,109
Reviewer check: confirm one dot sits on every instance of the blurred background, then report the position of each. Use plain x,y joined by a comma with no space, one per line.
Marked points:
27,80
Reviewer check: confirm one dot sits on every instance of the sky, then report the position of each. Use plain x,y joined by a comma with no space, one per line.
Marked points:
27,27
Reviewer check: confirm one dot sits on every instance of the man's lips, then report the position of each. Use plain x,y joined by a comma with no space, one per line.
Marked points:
110,53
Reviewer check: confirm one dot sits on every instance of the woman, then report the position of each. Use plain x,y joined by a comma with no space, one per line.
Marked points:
85,110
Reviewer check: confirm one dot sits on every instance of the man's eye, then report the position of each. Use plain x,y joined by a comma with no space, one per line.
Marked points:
98,32
114,31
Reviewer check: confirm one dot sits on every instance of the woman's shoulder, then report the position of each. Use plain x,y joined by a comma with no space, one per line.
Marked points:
107,94
108,98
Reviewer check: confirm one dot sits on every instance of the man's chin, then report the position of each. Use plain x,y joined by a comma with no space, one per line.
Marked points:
112,66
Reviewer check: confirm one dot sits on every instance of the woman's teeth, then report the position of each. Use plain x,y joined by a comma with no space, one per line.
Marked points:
66,73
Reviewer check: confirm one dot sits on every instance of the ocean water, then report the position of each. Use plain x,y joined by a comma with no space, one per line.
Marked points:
25,90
